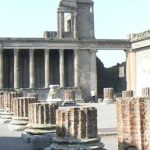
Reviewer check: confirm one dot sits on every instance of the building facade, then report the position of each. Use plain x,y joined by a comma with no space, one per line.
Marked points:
138,62
66,57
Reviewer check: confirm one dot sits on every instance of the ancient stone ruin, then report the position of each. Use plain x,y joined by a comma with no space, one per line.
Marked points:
108,95
128,93
133,123
42,118
20,112
7,114
76,128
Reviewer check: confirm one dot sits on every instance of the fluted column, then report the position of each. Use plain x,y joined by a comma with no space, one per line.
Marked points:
61,67
75,25
42,118
1,68
76,127
46,68
16,68
32,77
76,70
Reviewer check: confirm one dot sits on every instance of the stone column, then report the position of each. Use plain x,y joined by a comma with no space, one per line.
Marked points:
60,24
69,95
42,118
6,116
108,95
93,71
146,92
1,103
16,68
61,67
1,68
46,68
76,127
76,68
20,118
32,75
128,93
131,70
75,25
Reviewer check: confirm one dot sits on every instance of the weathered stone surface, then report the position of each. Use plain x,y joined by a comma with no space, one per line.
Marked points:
128,93
42,118
1,103
146,92
21,114
133,123
108,95
76,129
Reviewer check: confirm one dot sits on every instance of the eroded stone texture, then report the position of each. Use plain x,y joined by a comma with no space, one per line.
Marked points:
21,114
146,92
108,95
42,118
1,103
8,100
33,95
127,93
76,129
6,116
133,123
69,95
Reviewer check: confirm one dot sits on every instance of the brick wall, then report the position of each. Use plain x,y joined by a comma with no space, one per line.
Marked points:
133,123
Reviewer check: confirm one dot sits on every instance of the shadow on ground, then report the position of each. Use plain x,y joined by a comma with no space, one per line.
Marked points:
13,143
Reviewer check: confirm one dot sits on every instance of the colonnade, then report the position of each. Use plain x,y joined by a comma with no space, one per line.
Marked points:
32,71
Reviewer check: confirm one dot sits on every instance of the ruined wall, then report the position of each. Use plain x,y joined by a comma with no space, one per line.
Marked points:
133,123
114,77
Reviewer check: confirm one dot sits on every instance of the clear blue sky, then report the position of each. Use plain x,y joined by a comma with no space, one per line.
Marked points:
113,19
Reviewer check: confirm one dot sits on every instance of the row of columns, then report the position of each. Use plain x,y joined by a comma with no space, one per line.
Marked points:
31,68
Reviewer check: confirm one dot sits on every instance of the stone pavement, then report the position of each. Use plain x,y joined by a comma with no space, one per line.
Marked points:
11,140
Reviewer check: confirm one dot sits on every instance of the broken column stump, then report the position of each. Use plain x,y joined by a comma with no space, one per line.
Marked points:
6,116
1,104
21,115
133,123
108,95
146,92
76,129
128,93
69,98
42,125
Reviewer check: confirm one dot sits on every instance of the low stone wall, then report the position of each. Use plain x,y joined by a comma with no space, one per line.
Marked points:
133,123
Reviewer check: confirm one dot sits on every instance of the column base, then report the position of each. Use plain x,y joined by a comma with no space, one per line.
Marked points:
18,124
40,129
108,101
72,144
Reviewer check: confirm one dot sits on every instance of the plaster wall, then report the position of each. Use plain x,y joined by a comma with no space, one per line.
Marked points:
142,70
